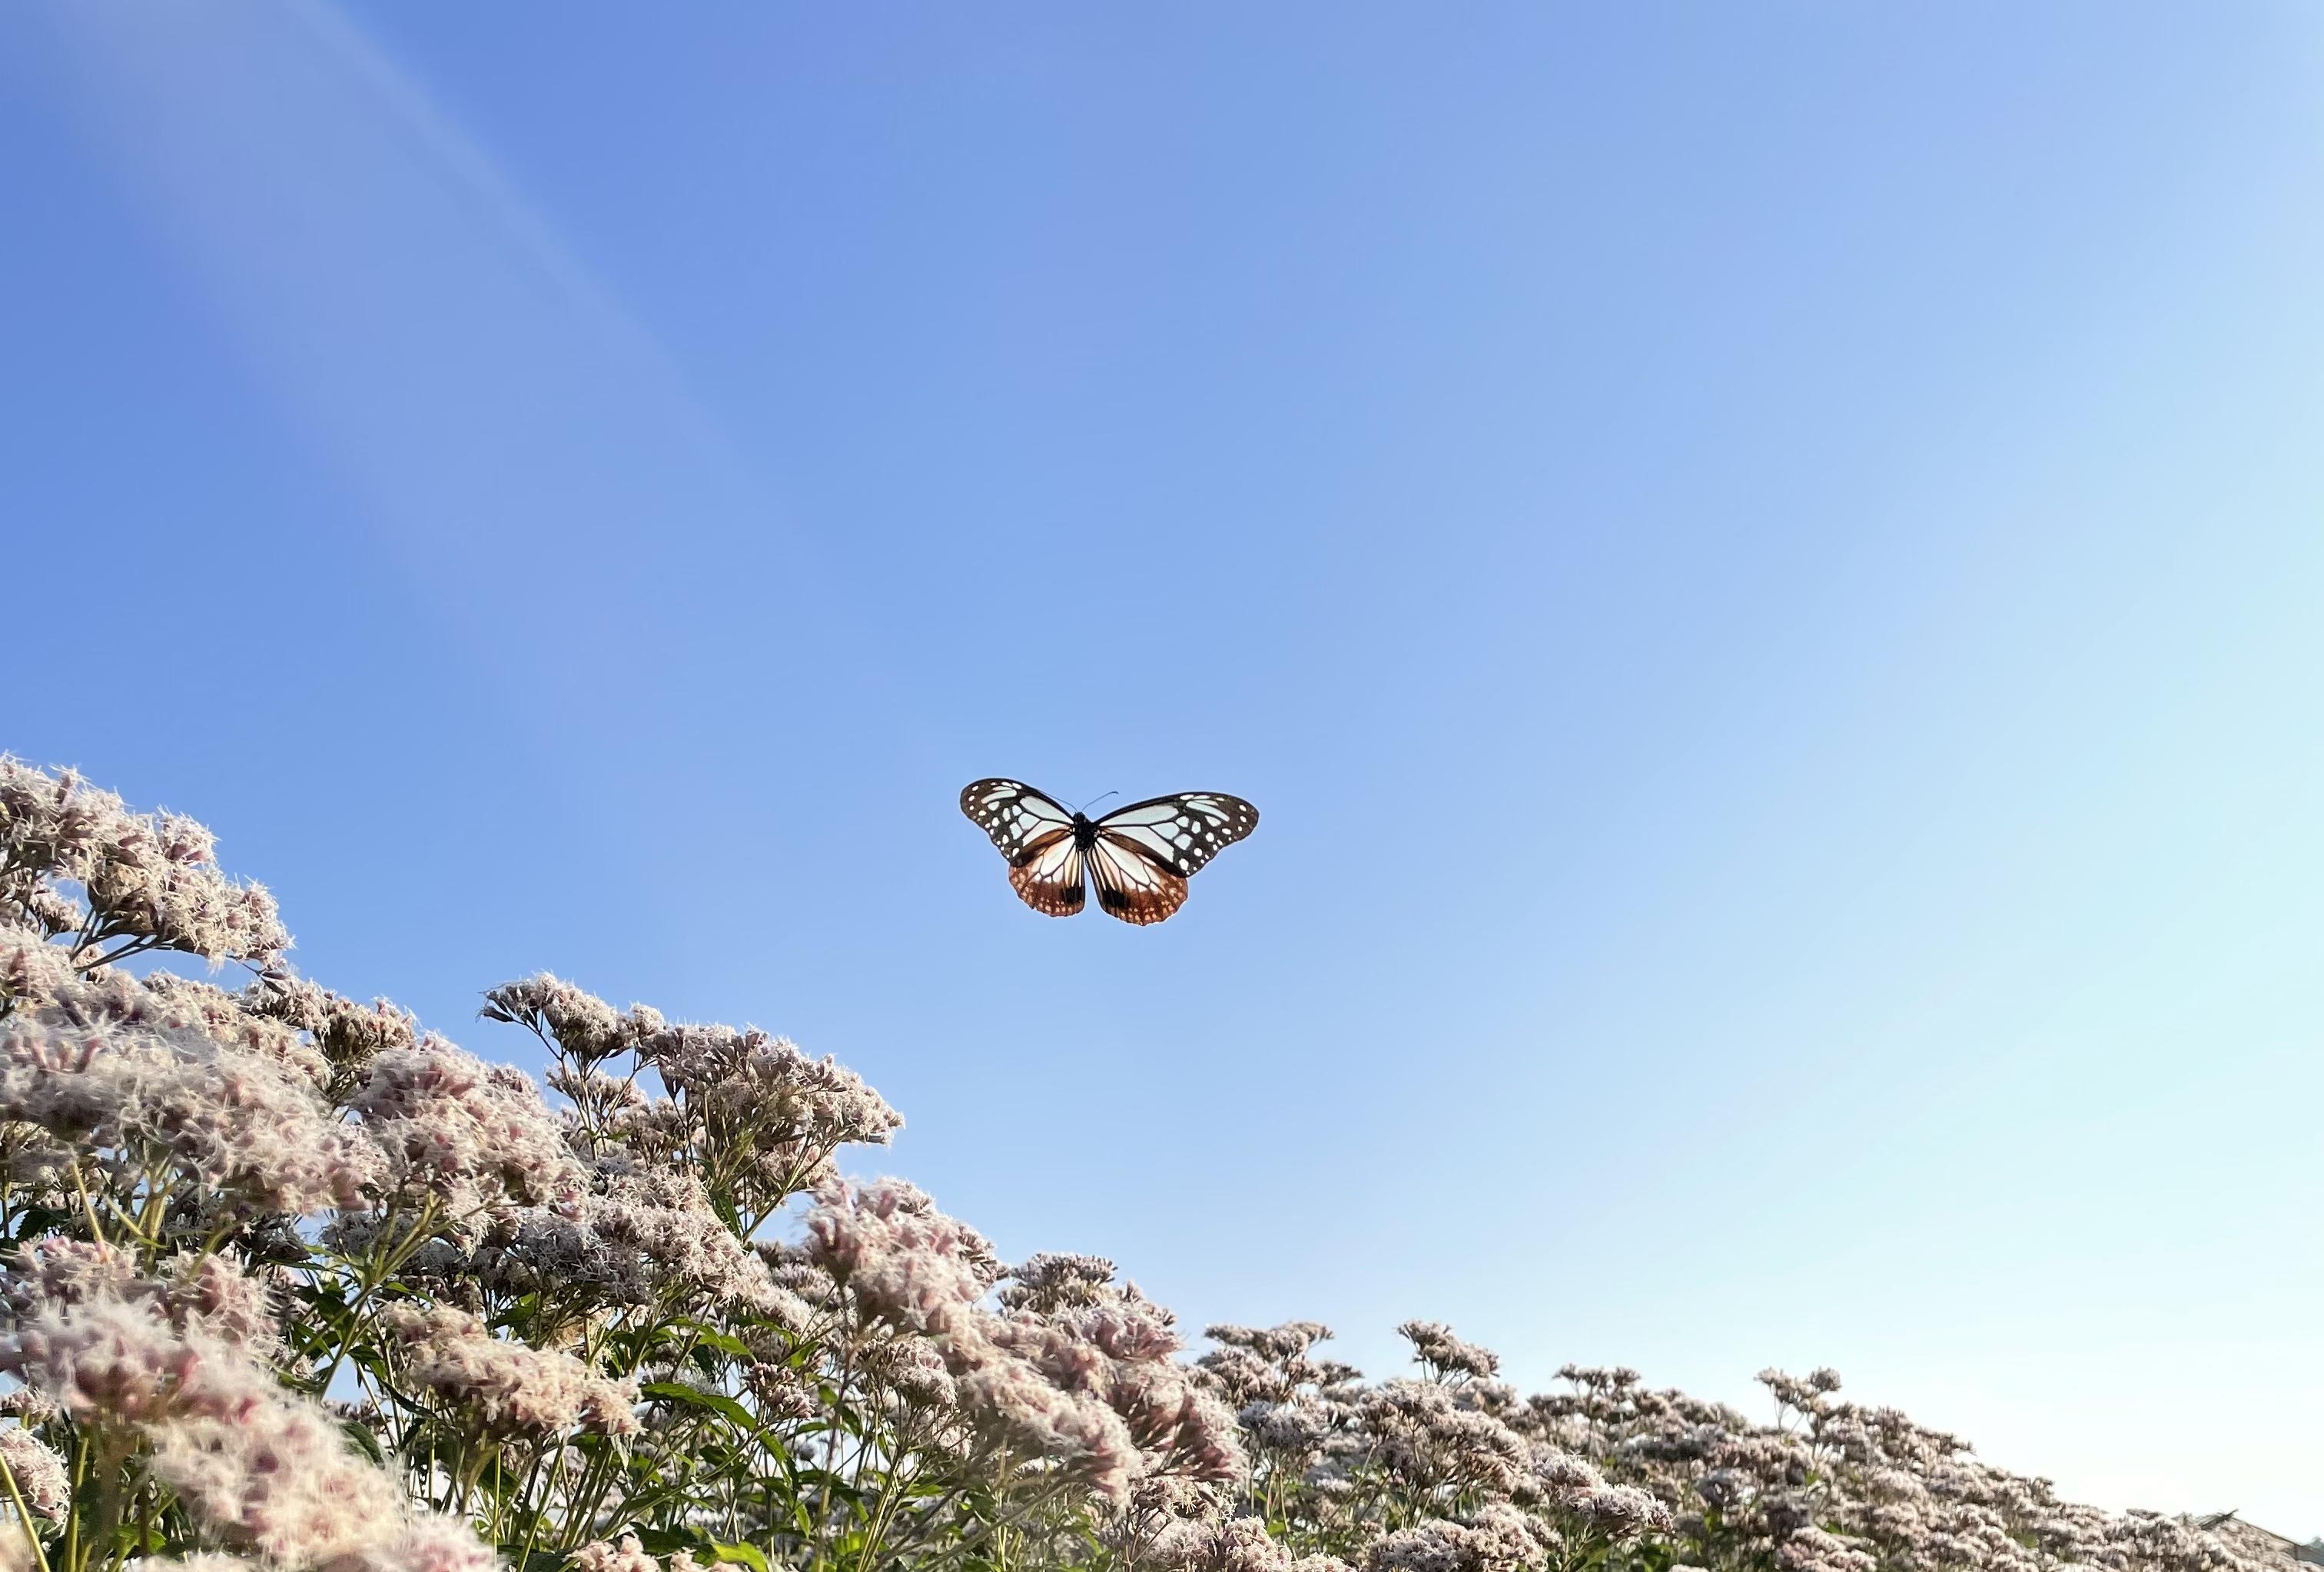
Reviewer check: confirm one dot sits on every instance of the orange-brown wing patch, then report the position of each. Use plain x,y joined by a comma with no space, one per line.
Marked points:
1048,876
1132,884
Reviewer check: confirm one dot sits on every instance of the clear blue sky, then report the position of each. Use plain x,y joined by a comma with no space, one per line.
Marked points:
1763,564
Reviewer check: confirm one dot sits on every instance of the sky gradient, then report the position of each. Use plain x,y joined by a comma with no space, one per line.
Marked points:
1766,573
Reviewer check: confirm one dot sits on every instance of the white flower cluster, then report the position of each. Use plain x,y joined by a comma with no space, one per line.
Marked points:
287,1284
1457,1474
146,881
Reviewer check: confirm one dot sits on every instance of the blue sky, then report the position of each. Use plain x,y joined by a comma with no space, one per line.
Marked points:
1762,568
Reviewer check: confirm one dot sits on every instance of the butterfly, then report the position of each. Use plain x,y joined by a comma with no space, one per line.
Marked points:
1140,857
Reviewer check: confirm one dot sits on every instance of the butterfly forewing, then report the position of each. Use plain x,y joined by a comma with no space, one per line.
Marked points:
1132,885
1019,819
1183,832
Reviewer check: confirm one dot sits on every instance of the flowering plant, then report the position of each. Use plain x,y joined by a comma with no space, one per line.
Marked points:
290,1283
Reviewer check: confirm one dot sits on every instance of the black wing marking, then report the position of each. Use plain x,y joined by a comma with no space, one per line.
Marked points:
1019,819
1179,833
1131,884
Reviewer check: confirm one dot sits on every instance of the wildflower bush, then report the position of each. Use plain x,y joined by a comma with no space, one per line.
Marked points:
291,1283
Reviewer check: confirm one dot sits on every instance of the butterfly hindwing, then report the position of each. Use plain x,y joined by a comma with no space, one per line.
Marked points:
1049,879
1183,832
1130,883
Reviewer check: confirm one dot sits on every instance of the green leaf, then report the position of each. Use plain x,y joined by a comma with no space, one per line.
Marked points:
710,1336
686,1396
750,1556
359,1436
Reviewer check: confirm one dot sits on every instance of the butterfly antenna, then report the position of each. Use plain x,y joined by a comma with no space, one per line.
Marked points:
1094,800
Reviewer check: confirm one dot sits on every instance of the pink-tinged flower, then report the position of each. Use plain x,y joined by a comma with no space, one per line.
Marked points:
1239,1544
1093,1340
427,1542
150,880
1564,1474
1126,1324
783,1394
1623,1512
583,1027
1270,1364
753,1110
1193,1433
105,1360
1008,1397
236,1121
1435,1346
1287,1341
221,1017
1296,1429
914,1369
471,1134
1055,1281
26,1404
347,1034
904,1261
32,970
208,1291
258,1469
1810,1550
39,1472
40,982
279,1480
57,1271
1424,1435
211,1293
1809,1396
639,1238
604,1555
501,1387
1497,1539
1065,1358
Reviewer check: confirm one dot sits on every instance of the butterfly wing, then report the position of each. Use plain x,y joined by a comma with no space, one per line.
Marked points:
1145,853
1180,834
1131,884
1015,815
1036,833
1049,879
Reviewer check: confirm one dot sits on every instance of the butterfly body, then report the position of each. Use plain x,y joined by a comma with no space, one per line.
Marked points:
1139,857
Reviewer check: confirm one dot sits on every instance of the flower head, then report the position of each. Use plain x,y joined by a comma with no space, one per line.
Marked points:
1435,1346
499,1387
39,1473
148,881
235,1120
470,1134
